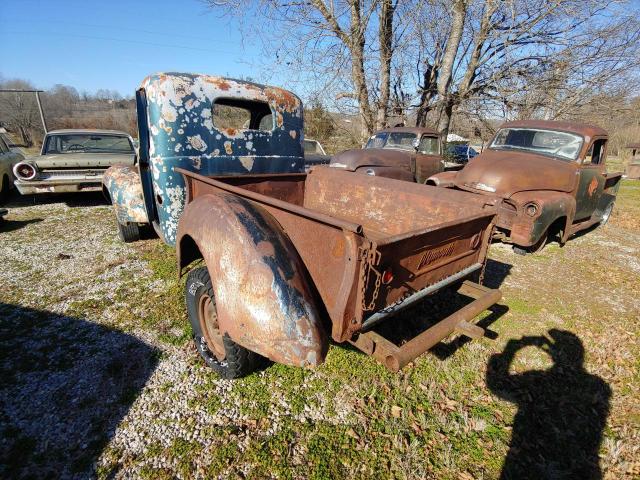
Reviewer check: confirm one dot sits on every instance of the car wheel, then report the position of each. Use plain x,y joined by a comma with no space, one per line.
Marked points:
219,352
129,233
606,215
535,248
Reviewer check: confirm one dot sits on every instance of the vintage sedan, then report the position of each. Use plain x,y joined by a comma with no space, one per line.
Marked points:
403,153
73,161
549,177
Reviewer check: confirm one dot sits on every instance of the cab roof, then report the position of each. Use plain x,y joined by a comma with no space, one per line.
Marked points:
415,130
583,129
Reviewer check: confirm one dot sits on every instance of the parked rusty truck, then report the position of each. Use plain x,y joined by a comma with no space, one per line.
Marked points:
549,179
277,262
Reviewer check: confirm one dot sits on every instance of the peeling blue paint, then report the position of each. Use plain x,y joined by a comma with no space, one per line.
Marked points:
178,117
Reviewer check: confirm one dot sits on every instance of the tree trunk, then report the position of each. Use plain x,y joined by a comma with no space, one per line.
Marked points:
445,119
428,92
385,37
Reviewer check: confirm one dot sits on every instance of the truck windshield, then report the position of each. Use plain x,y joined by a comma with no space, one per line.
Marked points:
397,140
562,145
311,146
80,143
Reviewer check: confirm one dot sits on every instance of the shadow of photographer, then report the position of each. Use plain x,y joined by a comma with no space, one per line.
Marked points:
562,411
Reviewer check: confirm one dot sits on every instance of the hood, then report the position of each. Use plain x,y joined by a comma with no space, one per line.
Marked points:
371,157
81,160
504,173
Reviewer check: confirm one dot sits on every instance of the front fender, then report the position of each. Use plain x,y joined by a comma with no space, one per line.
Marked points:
527,231
123,185
263,297
442,179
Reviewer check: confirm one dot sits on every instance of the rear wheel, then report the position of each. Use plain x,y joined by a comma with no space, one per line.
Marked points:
219,352
129,233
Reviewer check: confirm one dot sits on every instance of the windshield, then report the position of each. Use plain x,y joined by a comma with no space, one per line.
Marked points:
563,145
311,146
401,140
82,143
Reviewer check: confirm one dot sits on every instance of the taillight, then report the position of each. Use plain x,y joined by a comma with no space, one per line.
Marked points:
387,277
25,171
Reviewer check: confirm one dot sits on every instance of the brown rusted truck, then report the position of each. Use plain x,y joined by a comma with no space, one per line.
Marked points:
548,178
279,263
403,153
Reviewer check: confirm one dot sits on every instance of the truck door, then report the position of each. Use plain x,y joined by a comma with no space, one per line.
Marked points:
428,158
591,183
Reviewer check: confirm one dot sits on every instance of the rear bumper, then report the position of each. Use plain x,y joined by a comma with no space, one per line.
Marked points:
395,358
94,184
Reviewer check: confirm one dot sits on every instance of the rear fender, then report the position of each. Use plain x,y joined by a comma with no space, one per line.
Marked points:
443,179
122,184
263,296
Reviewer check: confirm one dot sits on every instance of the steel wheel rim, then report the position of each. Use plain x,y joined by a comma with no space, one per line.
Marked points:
208,319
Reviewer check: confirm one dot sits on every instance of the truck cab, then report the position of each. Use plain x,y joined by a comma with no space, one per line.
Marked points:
549,176
206,124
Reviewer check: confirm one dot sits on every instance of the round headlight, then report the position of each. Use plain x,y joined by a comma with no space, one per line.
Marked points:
531,209
25,171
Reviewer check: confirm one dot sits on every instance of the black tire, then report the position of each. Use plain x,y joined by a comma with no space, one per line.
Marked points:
4,189
129,233
232,360
535,248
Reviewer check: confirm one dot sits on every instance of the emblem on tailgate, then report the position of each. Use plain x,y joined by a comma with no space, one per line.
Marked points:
434,254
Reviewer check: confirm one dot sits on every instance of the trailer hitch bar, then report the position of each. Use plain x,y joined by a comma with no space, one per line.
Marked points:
396,357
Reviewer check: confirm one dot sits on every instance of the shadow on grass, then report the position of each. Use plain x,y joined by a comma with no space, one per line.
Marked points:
7,225
65,385
562,411
80,199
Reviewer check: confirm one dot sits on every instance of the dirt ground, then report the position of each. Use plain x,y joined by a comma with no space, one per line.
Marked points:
98,376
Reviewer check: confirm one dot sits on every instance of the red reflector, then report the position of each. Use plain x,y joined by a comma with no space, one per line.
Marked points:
387,277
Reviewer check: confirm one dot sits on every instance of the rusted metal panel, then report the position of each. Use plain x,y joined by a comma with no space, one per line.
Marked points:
122,183
263,298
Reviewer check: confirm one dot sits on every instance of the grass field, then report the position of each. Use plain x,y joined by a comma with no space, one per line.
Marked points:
99,376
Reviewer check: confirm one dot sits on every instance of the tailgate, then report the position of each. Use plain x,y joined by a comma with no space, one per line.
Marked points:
396,267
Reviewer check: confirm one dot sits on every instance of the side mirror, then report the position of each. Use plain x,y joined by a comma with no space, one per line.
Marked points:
416,144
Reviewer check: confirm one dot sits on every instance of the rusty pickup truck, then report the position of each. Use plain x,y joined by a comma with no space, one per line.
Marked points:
277,264
549,178
403,153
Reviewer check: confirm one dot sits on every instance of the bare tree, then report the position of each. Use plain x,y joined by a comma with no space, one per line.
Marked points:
346,47
513,46
19,111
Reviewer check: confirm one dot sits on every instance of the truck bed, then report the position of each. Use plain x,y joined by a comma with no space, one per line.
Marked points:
367,242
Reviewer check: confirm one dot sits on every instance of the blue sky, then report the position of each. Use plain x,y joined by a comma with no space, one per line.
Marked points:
114,44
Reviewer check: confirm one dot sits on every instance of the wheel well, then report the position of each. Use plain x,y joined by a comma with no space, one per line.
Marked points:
106,194
188,252
557,227
431,182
